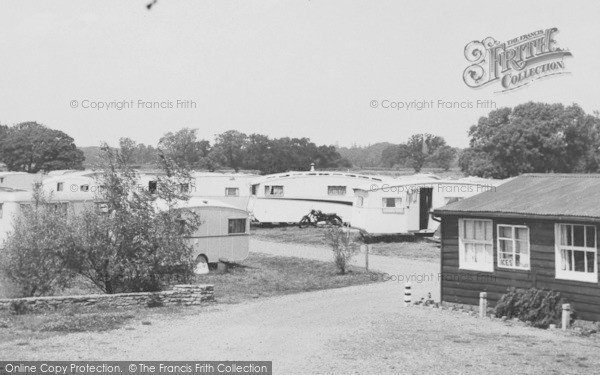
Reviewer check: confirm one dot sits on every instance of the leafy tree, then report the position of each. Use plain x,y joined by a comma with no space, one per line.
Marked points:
422,148
33,256
31,147
533,137
443,157
126,244
186,150
229,148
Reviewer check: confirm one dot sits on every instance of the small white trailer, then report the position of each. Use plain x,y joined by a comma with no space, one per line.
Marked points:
224,232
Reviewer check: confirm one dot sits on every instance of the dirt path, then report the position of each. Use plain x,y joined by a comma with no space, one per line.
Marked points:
362,330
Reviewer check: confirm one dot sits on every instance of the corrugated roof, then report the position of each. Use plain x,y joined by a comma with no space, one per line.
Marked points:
569,195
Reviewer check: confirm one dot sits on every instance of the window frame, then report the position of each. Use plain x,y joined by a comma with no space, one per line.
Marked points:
229,221
588,277
269,191
236,189
470,266
397,209
514,240
334,190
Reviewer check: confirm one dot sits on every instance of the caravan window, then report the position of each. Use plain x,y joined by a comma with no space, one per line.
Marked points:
360,201
392,205
576,252
274,190
152,185
253,189
60,186
1,209
232,192
336,190
475,245
184,188
237,226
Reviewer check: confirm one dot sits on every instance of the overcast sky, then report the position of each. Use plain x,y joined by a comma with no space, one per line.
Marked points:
282,68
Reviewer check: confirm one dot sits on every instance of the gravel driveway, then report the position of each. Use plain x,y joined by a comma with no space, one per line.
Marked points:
363,330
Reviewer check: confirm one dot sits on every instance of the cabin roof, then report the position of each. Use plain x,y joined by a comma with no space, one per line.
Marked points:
551,195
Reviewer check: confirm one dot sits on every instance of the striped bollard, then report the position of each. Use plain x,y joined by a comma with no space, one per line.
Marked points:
407,294
482,304
566,316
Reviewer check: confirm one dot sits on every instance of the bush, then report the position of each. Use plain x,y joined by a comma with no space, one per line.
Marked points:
32,259
540,307
18,307
343,245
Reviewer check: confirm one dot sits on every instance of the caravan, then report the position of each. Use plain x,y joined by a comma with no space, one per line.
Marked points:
403,205
287,197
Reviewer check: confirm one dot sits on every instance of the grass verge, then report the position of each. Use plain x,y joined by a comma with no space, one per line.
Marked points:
258,276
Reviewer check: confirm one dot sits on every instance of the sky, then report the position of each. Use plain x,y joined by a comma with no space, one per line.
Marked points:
297,68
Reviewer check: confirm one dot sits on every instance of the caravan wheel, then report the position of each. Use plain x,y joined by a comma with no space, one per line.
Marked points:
201,266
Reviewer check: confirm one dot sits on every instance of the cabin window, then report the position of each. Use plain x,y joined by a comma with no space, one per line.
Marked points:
475,245
232,192
576,252
84,187
1,180
360,201
274,190
237,226
392,205
60,186
254,189
336,190
513,246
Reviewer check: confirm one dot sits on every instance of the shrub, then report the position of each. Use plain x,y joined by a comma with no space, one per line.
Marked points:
540,307
18,307
32,259
343,245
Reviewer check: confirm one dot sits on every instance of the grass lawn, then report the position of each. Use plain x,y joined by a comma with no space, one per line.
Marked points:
421,250
258,276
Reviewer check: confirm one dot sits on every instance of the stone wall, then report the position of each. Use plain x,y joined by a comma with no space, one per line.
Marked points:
180,295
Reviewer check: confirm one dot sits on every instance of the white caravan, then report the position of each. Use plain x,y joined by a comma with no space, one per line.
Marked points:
287,197
403,205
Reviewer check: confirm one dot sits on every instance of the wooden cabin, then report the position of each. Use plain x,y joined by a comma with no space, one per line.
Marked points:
534,231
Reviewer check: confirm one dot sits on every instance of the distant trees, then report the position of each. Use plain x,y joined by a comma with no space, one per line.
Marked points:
419,151
533,137
185,149
32,147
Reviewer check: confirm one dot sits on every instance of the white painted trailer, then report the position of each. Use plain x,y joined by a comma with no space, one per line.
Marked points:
19,180
224,232
403,205
10,206
287,197
229,188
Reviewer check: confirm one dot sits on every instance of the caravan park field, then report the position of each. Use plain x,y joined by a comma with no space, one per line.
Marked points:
422,250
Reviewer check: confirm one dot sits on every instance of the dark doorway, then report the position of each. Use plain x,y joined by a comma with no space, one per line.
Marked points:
425,196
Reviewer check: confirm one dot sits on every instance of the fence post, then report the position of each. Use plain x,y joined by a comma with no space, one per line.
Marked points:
407,294
566,316
367,250
483,304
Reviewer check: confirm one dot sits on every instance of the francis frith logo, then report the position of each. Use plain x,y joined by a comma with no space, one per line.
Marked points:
514,63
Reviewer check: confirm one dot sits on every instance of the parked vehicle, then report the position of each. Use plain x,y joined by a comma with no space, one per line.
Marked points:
315,217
